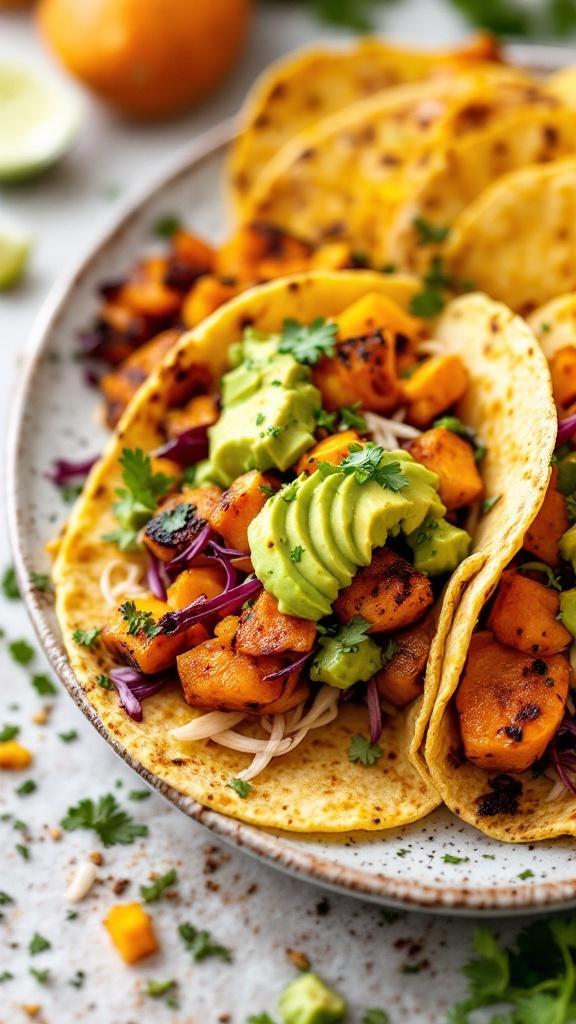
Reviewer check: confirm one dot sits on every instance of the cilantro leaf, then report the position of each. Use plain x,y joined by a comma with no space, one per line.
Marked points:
240,787
455,426
68,737
159,988
150,893
488,503
260,1018
353,633
296,553
526,874
362,750
375,1017
308,343
38,944
9,732
41,976
86,637
43,685
21,651
551,579
390,477
449,858
139,794
106,818
363,462
26,787
167,225
105,683
139,620
175,519
429,233
5,898
138,499
266,489
324,419
200,944
9,585
427,303
389,651
40,581
349,416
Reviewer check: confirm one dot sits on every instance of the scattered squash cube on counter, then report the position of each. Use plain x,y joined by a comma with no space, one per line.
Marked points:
131,931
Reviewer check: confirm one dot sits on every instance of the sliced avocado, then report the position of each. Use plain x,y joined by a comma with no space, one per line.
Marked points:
438,546
300,541
376,512
422,491
321,530
568,546
345,500
343,668
270,554
568,610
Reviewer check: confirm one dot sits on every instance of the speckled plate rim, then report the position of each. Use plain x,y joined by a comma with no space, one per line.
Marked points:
389,890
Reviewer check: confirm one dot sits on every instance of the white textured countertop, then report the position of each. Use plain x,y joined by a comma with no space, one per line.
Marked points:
259,913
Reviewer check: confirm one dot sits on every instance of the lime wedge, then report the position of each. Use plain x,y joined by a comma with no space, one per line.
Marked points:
14,250
39,120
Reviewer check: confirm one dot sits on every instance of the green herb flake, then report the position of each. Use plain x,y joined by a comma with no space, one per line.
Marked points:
9,732
411,969
69,493
362,751
326,420
428,233
260,419
23,851
551,579
41,976
139,621
167,225
43,685
307,343
105,682
78,980
375,1017
296,553
38,944
106,818
20,826
9,585
40,581
86,637
351,418
158,988
21,651
6,976
25,788
427,304
488,503
260,1018
68,737
266,489
488,856
175,519
139,794
200,944
5,898
526,874
150,893
448,858
545,328
243,789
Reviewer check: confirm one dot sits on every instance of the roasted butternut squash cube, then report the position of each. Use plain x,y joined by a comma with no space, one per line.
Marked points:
452,458
192,251
434,386
331,256
375,312
144,651
524,614
543,535
131,931
510,704
362,369
215,675
203,581
389,593
332,449
200,411
205,297
121,385
180,518
145,291
260,251
264,630
563,373
13,756
402,679
239,505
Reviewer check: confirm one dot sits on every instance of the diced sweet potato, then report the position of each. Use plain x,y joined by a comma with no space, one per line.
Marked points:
200,411
543,536
510,704
239,505
332,449
524,616
194,583
131,931
331,256
14,756
121,385
148,654
192,251
402,679
121,331
375,312
389,593
264,630
452,458
563,373
361,370
214,675
145,291
206,296
258,252
434,386
165,535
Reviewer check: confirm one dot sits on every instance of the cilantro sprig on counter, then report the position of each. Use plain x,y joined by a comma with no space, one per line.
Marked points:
200,944
308,343
151,893
138,499
106,818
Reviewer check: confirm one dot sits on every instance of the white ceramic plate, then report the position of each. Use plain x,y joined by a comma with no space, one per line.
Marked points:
56,417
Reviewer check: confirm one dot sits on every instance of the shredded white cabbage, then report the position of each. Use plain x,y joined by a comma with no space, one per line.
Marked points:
390,432
431,348
558,789
129,585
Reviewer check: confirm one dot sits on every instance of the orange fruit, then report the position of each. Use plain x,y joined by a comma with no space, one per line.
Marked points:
147,57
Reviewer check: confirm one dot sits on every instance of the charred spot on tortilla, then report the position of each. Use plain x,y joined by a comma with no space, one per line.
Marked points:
503,799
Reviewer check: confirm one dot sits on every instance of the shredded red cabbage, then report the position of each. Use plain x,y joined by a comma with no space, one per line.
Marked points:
65,470
374,710
196,547
565,429
133,687
188,448
231,600
562,757
157,578
292,666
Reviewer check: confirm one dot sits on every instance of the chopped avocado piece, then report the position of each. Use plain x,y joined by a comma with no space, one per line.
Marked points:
568,546
321,530
203,474
438,546
568,609
300,540
307,1000
342,664
567,474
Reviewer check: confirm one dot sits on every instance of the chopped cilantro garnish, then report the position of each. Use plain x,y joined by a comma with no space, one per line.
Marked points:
26,787
349,416
551,579
545,328
388,268
41,976
68,737
488,503
364,463
308,343
296,553
362,750
200,944
389,651
139,794
8,732
106,818
436,276
138,499
480,453
150,893
40,581
429,233
158,988
105,682
260,1018
427,303
9,585
86,637
411,969
167,225
69,492
375,1017
455,425
5,898
175,519
260,419
240,787
267,490
324,419
21,651
23,851
288,493
448,858
138,620
526,874
6,976
43,685
38,944
349,636
78,980
20,826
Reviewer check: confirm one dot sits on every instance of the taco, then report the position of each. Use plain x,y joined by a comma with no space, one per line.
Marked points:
283,603
502,736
